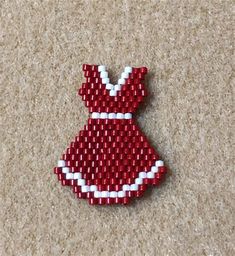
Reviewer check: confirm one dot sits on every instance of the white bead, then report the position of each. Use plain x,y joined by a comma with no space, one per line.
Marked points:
125,75
65,169
128,69
120,116
77,175
111,115
105,80
128,115
150,175
104,194
101,68
159,163
104,74
142,175
103,115
61,163
93,188
109,86
125,187
85,189
81,182
154,169
139,181
95,115
121,193
97,194
121,81
69,176
113,93
117,87
134,187
113,194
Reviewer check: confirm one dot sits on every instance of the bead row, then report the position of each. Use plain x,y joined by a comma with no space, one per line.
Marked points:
104,115
110,194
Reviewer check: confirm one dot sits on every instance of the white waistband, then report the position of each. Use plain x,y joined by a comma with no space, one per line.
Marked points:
104,115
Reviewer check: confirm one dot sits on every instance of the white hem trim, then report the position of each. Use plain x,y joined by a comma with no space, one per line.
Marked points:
110,194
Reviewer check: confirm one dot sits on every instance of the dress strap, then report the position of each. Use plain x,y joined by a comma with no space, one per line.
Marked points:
90,71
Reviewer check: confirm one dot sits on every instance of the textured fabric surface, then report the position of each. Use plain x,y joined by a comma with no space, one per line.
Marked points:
187,46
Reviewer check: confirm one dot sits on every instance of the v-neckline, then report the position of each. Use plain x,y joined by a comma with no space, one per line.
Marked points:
114,88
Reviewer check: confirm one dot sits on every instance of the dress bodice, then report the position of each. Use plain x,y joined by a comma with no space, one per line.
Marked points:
102,96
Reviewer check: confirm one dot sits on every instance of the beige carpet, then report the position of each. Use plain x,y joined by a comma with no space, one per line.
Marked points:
187,46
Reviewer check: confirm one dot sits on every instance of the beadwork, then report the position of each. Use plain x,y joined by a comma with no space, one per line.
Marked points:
110,160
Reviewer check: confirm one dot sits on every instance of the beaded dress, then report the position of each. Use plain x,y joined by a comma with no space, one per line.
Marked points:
111,160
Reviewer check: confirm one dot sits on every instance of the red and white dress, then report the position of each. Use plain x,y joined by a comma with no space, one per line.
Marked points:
111,160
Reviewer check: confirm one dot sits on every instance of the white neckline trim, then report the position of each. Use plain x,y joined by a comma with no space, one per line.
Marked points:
113,89
110,194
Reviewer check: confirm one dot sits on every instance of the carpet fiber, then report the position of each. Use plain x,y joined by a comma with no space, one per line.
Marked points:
187,46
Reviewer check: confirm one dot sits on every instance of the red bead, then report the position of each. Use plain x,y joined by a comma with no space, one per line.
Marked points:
57,170
93,201
109,201
86,67
162,169
126,200
101,201
76,189
65,182
135,70
144,70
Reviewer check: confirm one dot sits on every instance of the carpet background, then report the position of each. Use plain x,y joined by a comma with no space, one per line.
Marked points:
187,46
